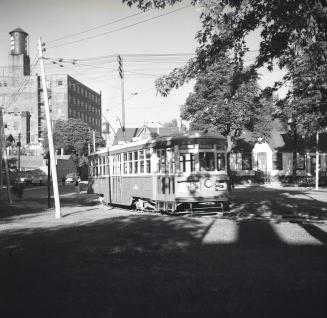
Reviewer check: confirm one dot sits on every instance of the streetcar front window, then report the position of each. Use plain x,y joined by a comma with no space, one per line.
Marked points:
220,161
186,162
207,161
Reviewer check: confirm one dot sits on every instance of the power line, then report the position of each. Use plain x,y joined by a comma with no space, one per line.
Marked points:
119,29
96,27
22,85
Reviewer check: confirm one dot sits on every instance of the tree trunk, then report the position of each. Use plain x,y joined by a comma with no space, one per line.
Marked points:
228,151
294,153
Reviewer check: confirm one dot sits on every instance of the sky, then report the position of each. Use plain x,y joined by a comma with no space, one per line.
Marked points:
151,44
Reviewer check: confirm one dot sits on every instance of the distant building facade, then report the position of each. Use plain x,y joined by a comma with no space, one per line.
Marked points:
21,96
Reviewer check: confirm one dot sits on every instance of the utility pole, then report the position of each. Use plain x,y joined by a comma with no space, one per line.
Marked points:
49,180
50,138
93,140
4,153
2,141
121,75
18,145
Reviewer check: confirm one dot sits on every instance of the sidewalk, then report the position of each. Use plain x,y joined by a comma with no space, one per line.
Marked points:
318,195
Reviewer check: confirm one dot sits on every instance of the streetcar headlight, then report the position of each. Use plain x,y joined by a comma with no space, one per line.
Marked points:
208,183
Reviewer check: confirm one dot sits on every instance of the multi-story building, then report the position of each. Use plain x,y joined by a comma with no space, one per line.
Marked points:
21,96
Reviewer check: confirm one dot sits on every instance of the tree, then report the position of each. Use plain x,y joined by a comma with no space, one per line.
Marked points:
288,29
74,136
212,105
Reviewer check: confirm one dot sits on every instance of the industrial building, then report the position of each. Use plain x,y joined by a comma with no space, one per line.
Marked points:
21,97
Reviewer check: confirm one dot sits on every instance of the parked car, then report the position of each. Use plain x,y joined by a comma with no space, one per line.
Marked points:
25,179
71,178
41,180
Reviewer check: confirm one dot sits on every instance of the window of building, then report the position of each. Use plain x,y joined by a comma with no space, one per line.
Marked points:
246,161
59,83
300,161
4,84
278,161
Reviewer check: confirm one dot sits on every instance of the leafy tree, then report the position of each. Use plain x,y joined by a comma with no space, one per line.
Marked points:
74,136
291,31
173,123
213,106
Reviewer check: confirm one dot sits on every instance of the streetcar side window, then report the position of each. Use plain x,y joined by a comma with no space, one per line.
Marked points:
141,157
186,162
207,161
170,161
130,162
136,162
124,163
148,160
106,167
220,161
161,157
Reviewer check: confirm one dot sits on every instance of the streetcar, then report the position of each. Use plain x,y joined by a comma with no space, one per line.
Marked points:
165,174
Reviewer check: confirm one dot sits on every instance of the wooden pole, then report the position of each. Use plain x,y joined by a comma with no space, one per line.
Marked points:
50,138
4,154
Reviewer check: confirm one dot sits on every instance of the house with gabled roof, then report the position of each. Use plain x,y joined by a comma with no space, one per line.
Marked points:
141,133
274,157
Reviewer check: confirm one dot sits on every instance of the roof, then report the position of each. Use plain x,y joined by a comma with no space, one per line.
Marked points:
131,133
63,157
18,30
31,161
281,140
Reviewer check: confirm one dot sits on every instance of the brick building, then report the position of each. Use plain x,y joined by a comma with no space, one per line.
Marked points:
22,101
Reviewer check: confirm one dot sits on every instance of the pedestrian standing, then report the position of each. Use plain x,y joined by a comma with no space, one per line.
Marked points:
63,180
77,186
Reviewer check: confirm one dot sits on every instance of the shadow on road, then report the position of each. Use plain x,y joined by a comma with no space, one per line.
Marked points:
156,266
263,202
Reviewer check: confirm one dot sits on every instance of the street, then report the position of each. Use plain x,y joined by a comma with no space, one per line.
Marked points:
103,262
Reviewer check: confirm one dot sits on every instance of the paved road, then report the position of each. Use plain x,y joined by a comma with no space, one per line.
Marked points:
102,262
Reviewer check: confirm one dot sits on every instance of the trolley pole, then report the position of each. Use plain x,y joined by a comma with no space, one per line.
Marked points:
50,138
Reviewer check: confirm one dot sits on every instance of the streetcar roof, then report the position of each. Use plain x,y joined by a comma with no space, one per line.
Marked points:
189,137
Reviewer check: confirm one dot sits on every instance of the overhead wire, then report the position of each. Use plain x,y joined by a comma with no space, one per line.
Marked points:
96,27
22,85
120,28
